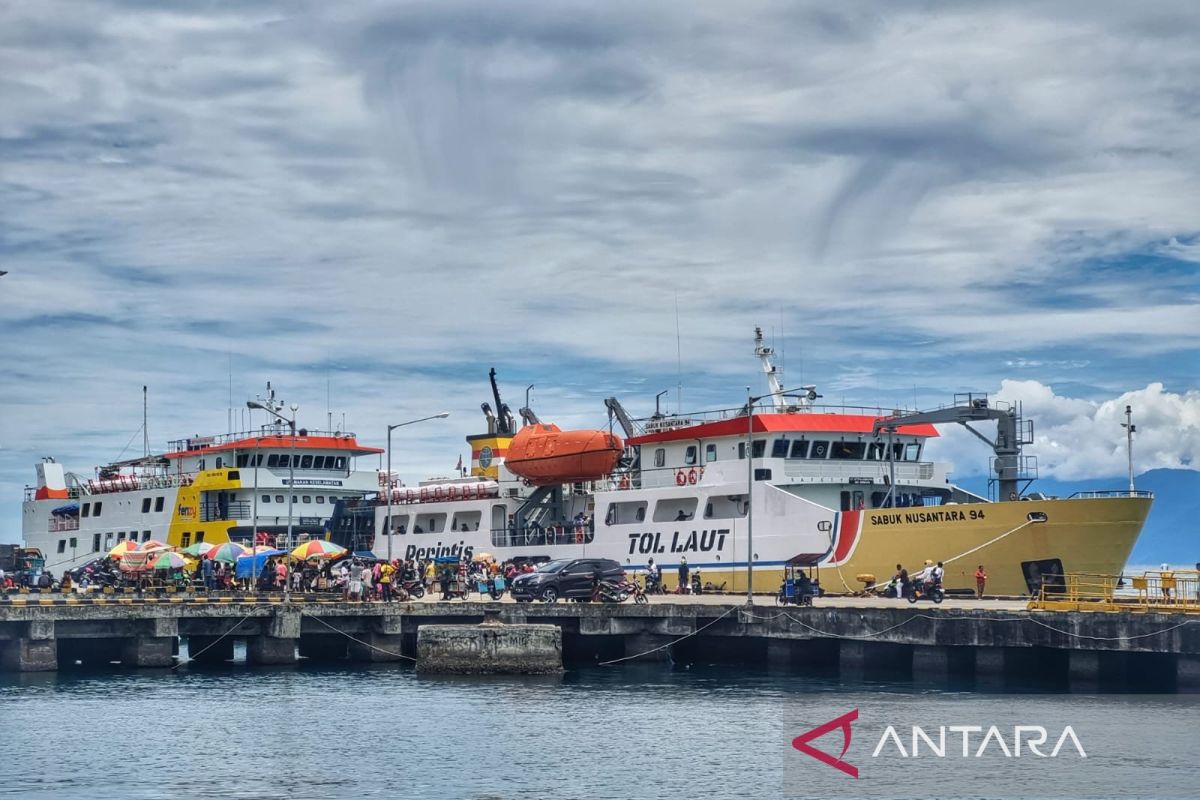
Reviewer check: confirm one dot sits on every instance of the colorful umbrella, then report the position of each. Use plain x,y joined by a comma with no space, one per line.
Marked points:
153,544
260,549
317,548
122,547
228,552
166,560
483,557
198,549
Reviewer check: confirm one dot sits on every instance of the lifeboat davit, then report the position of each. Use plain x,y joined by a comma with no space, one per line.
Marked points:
545,455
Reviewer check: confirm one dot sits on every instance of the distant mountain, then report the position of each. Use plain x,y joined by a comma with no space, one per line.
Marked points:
1172,532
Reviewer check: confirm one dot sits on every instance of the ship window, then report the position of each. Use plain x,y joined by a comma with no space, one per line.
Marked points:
107,538
95,543
87,510
466,521
340,461
273,460
318,462
726,506
676,509
848,450
74,543
306,462
218,466
400,524
99,507
266,498
430,523
689,455
158,504
875,451
279,499
623,513
307,498
710,452
185,539
758,448
285,461
243,460
912,452
799,449
199,536
320,499
779,448
121,536
660,457
295,498
145,505
145,536
62,545
741,450
819,450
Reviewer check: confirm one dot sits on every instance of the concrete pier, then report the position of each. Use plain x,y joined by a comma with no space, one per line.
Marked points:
878,640
489,649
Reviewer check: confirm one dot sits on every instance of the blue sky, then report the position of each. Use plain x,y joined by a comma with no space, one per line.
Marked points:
392,197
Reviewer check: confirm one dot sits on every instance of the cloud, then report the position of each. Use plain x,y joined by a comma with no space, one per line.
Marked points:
1076,438
934,196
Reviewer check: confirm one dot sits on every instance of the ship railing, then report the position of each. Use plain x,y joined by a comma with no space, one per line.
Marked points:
1112,493
59,524
1174,591
539,536
672,421
203,442
843,471
131,483
237,509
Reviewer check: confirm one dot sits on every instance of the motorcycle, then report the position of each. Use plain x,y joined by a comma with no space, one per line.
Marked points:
697,584
413,587
654,585
920,590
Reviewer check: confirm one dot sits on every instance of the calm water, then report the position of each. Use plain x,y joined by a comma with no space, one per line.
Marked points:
652,731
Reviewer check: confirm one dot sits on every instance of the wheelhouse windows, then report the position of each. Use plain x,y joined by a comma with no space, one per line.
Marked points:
306,462
758,448
876,451
340,462
848,450
145,505
912,452
660,457
158,504
799,449
689,455
318,462
779,448
273,460
710,452
819,450
285,461
86,511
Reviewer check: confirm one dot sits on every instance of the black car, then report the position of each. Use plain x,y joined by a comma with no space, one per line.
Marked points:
568,578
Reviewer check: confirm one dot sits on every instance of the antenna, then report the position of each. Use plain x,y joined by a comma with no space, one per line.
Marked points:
145,433
1130,429
328,410
229,416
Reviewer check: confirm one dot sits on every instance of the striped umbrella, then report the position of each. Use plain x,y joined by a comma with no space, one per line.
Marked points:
153,544
122,547
317,548
166,560
199,549
228,552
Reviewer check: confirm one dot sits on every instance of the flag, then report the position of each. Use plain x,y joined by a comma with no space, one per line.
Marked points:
460,463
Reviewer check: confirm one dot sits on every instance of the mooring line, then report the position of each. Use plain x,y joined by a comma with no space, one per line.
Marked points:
353,639
668,644
192,656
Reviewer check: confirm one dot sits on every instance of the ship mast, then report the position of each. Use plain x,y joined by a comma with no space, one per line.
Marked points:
778,402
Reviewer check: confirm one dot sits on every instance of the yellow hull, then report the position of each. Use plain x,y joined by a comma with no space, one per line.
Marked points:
1087,535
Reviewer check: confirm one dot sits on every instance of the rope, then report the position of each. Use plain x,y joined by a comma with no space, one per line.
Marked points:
192,656
940,617
353,639
677,641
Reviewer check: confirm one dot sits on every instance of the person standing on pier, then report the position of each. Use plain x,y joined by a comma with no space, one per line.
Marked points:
980,582
683,574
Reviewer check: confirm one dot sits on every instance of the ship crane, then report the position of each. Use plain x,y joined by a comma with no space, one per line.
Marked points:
1010,467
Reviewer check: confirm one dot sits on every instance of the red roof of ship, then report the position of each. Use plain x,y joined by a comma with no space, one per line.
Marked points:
343,443
780,423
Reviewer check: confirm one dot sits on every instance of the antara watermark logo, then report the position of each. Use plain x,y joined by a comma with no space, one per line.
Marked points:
943,741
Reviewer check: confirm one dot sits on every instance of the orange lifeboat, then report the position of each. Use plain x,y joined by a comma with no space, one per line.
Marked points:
544,455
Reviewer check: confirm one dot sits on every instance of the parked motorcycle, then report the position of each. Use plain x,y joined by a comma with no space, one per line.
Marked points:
413,587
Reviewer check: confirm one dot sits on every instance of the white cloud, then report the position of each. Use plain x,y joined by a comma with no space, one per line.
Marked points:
1076,439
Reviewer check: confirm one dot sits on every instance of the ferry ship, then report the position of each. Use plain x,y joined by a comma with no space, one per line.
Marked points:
846,490
228,487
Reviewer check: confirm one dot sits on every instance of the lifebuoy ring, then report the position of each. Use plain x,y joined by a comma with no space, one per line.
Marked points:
691,477
681,479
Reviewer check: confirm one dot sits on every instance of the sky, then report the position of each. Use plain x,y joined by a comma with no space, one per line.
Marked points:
371,204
